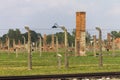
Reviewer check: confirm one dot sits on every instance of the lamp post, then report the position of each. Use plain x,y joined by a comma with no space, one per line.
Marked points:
113,46
100,44
29,49
94,45
66,45
8,44
0,44
56,45
40,45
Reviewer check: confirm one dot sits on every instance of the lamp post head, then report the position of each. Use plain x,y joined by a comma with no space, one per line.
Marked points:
63,28
97,28
27,28
57,26
54,26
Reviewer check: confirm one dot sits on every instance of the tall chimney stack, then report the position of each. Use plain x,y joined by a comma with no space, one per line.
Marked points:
80,33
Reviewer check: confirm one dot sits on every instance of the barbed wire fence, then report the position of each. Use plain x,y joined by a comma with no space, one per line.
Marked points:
53,31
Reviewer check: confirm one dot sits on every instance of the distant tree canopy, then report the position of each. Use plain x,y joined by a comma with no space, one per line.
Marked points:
60,36
18,36
14,34
71,37
115,34
88,38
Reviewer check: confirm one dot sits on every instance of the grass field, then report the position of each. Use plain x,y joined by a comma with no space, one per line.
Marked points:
10,65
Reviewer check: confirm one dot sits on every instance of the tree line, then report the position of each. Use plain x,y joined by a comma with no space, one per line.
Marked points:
115,34
18,36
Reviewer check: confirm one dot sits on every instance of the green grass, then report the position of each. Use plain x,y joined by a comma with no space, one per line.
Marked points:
10,65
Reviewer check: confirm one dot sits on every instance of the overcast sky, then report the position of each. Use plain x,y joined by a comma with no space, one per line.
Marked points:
39,14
